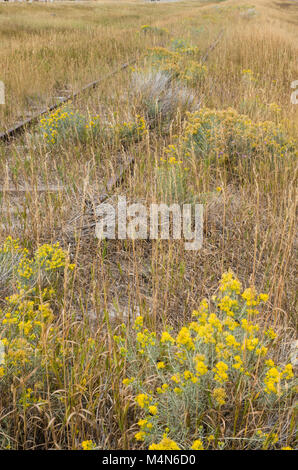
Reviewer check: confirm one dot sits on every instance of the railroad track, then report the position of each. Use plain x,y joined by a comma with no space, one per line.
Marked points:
120,173
22,126
18,129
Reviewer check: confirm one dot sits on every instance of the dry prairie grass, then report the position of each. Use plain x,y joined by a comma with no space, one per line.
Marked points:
249,225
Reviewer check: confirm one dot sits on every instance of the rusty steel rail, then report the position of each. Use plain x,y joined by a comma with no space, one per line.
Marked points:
212,46
207,53
30,189
91,202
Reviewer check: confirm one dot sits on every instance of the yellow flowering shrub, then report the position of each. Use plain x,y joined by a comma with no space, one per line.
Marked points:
147,29
227,136
181,63
173,181
26,270
88,445
48,359
131,131
36,354
165,444
65,124
218,363
26,317
182,46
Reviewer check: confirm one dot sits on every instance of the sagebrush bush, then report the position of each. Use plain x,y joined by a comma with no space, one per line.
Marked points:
214,384
159,97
